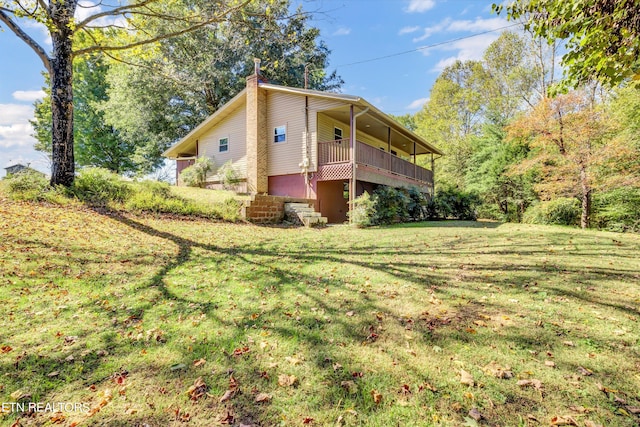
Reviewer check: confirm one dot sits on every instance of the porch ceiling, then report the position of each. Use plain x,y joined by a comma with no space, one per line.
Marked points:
378,125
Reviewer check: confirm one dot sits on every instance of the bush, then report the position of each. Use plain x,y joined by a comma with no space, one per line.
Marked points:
561,211
228,176
452,203
390,204
416,207
100,186
617,210
196,174
30,185
362,212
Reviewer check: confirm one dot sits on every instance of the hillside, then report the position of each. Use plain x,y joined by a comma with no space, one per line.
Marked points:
155,321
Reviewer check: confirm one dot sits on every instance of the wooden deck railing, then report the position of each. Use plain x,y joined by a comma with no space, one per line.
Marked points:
333,152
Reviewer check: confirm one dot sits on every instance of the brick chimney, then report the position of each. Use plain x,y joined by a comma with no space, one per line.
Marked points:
257,135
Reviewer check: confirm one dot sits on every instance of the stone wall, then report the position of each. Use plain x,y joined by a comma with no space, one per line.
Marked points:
263,208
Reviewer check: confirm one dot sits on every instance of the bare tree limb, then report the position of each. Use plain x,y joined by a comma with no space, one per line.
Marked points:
27,39
160,37
114,12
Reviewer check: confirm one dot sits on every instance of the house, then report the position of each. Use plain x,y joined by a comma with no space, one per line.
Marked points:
321,147
18,167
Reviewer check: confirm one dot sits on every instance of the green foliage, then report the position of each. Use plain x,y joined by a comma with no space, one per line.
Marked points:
161,106
560,211
196,174
617,210
390,205
362,212
96,143
228,175
602,37
100,186
451,203
416,204
30,185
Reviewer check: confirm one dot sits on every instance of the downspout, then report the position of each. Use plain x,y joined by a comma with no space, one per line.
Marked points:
352,147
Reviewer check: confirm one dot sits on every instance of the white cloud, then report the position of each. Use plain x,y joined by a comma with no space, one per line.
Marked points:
342,31
429,31
479,24
408,30
419,6
468,49
15,129
417,104
28,95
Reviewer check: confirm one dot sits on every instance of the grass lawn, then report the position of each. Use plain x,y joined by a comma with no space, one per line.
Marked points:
157,322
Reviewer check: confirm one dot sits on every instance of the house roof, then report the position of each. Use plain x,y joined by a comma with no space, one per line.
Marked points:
187,143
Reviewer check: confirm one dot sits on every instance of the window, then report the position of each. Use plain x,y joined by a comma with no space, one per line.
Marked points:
224,145
337,134
280,134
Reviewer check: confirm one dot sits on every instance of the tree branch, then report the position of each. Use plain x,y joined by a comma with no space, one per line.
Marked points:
27,39
114,12
162,36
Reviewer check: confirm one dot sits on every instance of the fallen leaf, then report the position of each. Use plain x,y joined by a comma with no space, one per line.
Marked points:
57,418
350,386
227,395
475,414
307,420
498,371
537,384
568,343
563,421
589,423
199,362
240,351
466,378
53,374
405,389
293,360
580,409
285,380
263,397
350,313
427,386
377,397
197,390
584,371
5,349
633,409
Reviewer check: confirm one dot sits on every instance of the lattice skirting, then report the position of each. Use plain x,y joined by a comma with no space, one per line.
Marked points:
334,172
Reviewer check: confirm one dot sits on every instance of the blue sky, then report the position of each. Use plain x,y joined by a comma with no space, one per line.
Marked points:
367,39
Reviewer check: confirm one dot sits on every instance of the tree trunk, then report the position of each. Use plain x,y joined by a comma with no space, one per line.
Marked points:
63,166
586,199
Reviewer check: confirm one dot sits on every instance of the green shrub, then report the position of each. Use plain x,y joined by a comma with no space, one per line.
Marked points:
228,176
196,174
451,203
362,212
416,207
30,185
100,186
390,204
561,211
617,210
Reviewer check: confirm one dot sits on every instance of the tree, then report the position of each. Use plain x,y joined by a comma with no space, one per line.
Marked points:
58,16
602,37
195,74
454,112
568,137
95,143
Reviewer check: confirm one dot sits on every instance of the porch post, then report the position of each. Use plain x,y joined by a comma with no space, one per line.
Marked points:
415,162
352,149
389,148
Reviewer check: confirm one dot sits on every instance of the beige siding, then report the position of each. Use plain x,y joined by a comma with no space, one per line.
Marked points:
284,109
234,128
